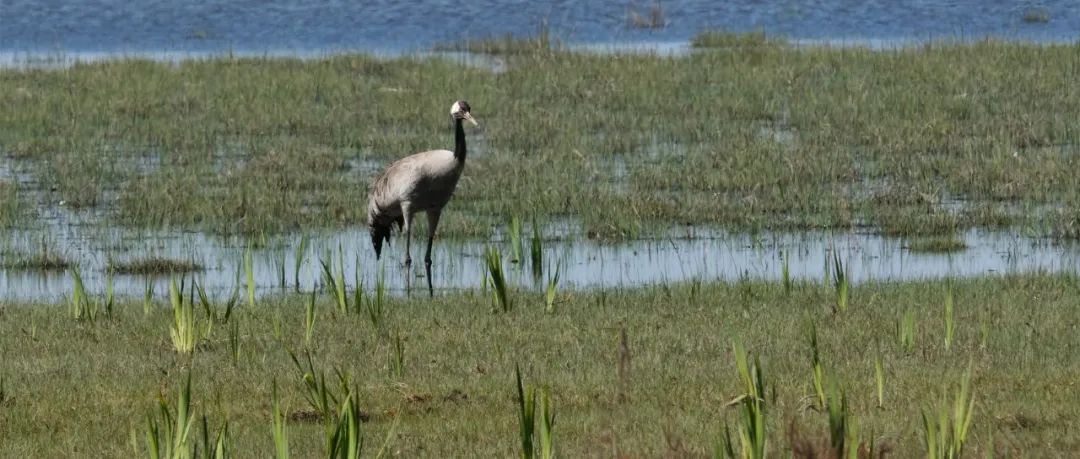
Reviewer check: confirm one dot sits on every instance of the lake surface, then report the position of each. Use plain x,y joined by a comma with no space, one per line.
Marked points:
94,27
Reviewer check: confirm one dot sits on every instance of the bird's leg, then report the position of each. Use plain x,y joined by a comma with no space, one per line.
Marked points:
433,222
406,214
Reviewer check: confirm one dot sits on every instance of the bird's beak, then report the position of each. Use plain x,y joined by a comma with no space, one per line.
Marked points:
468,116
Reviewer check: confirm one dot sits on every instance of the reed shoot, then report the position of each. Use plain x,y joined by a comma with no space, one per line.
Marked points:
493,261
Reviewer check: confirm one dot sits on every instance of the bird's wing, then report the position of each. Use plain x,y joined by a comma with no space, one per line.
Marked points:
391,186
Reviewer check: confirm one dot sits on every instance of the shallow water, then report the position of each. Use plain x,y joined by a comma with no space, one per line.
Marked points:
297,27
692,255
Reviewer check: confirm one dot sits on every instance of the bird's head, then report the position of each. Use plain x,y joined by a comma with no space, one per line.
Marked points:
461,111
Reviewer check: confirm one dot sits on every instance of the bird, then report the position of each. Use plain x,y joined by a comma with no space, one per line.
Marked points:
421,182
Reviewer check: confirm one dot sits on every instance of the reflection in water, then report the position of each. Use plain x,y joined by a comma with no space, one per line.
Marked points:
460,265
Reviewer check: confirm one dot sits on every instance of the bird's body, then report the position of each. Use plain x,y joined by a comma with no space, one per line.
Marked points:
422,182
426,180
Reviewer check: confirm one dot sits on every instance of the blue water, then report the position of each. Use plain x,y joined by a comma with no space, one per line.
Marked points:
305,27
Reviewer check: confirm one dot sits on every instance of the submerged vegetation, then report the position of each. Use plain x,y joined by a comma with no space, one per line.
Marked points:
154,266
723,39
930,139
657,371
944,244
41,262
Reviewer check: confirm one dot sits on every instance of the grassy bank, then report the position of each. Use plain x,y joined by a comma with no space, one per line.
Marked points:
922,140
641,372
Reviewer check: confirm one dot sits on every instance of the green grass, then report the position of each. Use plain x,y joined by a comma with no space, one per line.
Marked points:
770,137
154,266
94,383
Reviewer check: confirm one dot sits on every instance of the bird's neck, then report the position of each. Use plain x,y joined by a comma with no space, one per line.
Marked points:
459,140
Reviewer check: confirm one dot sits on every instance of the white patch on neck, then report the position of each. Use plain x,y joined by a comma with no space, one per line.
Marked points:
454,109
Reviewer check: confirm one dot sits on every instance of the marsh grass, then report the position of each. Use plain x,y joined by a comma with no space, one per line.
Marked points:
552,290
499,288
879,381
536,420
153,266
949,317
751,427
785,271
397,360
221,447
212,313
335,283
509,44
840,283
81,306
376,304
167,435
842,430
148,297
945,430
905,330
817,369
652,18
943,244
10,203
249,276
455,394
183,331
309,317
346,442
280,429
536,250
209,144
321,397
1036,16
45,260
517,250
298,261
725,39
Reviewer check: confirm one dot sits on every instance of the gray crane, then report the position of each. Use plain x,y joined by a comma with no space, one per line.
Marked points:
420,182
